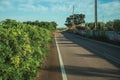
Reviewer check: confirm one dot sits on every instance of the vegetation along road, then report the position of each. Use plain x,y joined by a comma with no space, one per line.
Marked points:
85,59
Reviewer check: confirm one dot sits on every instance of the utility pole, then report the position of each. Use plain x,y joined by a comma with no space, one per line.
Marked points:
96,24
73,24
73,14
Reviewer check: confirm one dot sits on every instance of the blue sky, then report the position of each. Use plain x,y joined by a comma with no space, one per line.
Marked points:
58,10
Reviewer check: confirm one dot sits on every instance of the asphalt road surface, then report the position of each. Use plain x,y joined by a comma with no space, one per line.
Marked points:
86,59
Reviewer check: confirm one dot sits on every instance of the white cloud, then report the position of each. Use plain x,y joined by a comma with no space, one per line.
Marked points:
31,7
59,8
111,6
5,5
42,8
23,1
5,2
26,7
1,8
110,10
52,1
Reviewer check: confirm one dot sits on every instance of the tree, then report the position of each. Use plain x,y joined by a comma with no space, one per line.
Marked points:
54,25
28,22
68,22
36,22
101,26
109,25
91,25
116,24
86,26
9,23
75,19
79,18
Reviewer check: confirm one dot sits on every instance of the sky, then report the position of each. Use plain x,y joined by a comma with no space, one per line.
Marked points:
58,10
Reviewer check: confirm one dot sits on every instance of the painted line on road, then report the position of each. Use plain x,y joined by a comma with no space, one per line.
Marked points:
64,76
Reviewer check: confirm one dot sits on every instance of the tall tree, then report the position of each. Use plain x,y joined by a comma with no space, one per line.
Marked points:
75,19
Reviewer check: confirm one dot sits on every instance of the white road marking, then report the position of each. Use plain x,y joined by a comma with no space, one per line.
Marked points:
64,76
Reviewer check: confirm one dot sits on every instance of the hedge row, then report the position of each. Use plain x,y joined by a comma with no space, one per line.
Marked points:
22,49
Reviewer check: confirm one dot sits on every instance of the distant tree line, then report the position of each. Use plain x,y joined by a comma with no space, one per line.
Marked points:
48,25
110,25
77,21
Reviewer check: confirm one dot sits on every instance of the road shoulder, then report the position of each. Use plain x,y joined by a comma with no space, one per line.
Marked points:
51,69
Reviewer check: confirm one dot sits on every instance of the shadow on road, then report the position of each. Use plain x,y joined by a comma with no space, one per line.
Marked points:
96,72
89,72
113,74
86,55
85,45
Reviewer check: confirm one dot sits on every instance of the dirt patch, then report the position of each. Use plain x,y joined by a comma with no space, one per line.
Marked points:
51,69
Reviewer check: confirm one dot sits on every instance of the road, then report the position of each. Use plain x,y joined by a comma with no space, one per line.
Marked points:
85,59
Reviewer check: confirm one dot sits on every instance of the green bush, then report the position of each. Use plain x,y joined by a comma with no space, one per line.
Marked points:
22,49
